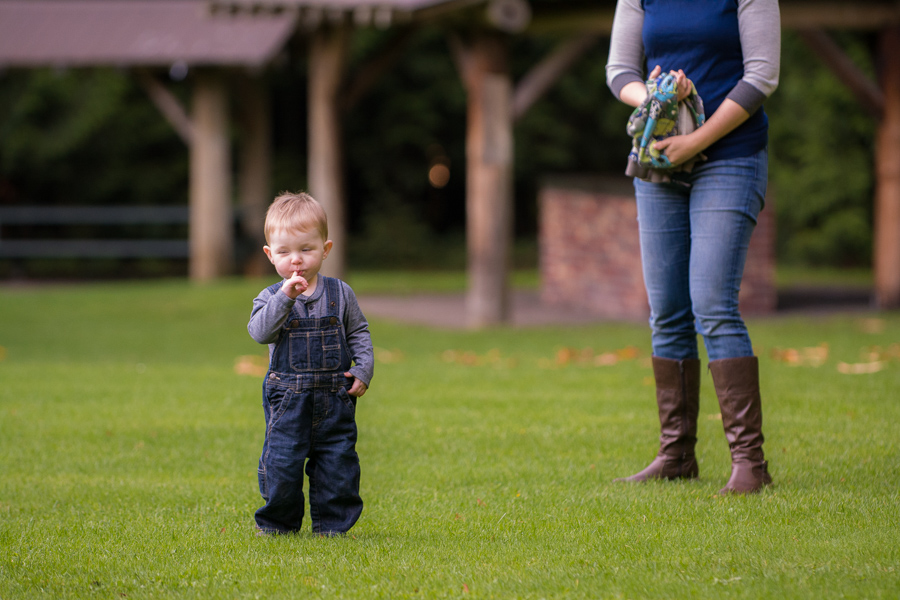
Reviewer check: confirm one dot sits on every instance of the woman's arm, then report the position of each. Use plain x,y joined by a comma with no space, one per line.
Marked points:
759,23
625,66
680,148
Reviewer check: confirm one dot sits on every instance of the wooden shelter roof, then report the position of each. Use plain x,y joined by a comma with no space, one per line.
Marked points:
135,32
552,16
508,15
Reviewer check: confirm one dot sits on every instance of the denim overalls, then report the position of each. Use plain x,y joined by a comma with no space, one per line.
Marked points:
310,415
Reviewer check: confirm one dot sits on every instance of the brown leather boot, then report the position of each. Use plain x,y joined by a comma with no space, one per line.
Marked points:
737,387
678,400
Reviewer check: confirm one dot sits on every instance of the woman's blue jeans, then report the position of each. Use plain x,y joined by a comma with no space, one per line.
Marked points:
694,237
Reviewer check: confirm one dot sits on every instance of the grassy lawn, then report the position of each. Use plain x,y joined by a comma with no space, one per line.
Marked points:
129,443
412,282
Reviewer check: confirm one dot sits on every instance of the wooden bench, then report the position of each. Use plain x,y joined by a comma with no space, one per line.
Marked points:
73,216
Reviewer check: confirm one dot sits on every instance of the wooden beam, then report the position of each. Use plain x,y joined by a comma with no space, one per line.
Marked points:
864,89
887,168
796,14
255,169
166,102
211,237
860,14
327,58
542,76
595,20
489,177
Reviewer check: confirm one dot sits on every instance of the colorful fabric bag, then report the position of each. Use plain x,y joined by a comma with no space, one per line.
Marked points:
658,117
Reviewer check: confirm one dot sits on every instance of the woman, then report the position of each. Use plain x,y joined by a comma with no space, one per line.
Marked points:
694,230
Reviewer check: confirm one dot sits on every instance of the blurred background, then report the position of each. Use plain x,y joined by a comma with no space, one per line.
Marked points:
92,136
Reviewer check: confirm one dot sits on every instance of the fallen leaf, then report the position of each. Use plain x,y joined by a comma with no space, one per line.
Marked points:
873,353
813,356
480,502
471,359
860,368
254,365
465,589
628,353
565,355
607,359
872,325
387,356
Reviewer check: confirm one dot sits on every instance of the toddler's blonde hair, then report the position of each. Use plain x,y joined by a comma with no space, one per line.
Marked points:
296,212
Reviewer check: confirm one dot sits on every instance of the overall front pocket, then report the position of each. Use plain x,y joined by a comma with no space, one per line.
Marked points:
315,350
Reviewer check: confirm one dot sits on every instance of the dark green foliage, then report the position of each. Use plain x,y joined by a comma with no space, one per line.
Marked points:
822,160
86,136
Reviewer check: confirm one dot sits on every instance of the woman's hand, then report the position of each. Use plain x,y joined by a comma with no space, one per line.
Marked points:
679,148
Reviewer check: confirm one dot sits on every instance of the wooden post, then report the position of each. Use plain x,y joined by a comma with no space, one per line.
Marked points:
211,235
887,195
254,190
328,49
489,179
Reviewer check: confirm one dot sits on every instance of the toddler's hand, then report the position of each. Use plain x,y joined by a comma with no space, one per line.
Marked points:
358,388
294,286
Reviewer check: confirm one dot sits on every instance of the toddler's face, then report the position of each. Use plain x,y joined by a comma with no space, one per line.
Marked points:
300,252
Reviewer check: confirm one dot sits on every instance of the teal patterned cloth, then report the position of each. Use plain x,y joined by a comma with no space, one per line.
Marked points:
658,117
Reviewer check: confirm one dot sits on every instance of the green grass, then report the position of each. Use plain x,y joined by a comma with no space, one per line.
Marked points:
790,276
454,280
128,450
399,283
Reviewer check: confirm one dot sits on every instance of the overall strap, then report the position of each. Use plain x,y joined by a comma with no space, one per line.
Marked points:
333,297
332,294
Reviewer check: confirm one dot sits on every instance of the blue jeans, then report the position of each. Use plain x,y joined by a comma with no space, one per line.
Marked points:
310,419
694,241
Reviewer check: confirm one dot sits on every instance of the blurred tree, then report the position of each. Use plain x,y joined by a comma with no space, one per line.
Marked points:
822,159
86,136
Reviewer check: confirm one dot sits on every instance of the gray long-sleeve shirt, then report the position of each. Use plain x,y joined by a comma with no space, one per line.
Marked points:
270,311
760,34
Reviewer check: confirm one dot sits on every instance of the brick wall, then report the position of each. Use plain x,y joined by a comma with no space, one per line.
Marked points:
590,256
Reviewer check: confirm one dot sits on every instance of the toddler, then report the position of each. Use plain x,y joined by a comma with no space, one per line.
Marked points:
320,362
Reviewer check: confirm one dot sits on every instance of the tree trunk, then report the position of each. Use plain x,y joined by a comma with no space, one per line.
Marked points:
489,180
255,191
887,195
328,50
211,235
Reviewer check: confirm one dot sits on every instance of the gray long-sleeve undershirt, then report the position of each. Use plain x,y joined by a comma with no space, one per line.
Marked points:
759,22
270,311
